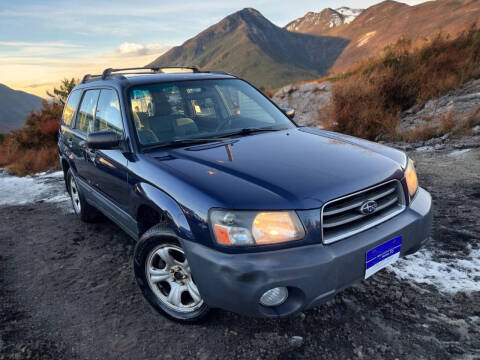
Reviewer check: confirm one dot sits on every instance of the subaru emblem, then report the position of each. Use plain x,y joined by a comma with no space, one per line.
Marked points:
368,207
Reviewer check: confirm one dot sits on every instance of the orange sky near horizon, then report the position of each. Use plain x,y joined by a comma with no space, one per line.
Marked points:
37,75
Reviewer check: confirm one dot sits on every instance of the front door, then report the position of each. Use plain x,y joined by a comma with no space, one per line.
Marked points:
109,168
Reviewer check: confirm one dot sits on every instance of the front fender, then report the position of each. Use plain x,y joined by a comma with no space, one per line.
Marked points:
162,203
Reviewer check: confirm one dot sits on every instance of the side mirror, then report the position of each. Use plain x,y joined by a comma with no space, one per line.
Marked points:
290,112
106,140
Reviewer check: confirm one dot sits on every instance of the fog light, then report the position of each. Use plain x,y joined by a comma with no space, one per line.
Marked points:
274,297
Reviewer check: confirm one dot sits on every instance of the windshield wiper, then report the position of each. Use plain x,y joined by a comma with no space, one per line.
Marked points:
248,131
221,137
180,142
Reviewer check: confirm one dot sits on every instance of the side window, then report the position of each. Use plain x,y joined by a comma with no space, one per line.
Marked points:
107,116
84,121
71,107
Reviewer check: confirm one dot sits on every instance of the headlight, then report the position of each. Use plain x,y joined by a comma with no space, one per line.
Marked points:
247,228
411,177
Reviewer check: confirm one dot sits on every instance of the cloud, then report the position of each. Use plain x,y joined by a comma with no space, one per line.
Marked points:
37,73
9,49
135,49
24,44
50,84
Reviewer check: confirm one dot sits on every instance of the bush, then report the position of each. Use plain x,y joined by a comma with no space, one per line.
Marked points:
33,148
368,100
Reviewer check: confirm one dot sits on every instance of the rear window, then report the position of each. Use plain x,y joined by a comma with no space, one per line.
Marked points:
71,107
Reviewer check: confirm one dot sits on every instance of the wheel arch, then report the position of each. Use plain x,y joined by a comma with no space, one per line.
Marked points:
156,207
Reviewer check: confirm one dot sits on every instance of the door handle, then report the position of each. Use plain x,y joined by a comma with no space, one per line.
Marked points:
91,154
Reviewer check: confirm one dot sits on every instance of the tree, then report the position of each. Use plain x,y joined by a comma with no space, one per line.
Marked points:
61,93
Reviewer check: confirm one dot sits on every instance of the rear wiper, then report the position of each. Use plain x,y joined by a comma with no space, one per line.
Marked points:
181,142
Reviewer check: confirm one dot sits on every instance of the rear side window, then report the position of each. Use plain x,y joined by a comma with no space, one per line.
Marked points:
71,107
107,116
86,112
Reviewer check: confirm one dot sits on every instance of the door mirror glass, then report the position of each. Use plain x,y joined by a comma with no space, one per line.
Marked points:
105,140
290,112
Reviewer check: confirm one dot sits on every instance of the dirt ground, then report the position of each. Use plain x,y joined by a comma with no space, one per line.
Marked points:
67,291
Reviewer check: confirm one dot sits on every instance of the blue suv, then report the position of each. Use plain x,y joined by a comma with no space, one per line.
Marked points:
232,205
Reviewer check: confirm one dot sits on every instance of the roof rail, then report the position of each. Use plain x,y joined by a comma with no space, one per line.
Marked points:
147,70
155,69
88,77
220,72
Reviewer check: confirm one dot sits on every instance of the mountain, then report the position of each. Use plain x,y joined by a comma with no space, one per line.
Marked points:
247,44
15,105
313,22
386,22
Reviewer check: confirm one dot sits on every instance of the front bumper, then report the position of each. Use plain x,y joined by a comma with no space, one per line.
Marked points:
313,274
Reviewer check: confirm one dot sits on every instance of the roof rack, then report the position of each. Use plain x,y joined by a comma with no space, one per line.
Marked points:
153,69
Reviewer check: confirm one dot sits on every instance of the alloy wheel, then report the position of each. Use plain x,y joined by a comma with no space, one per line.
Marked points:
169,276
75,196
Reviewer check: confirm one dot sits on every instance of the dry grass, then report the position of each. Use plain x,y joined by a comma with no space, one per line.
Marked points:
470,121
34,161
420,133
368,100
447,122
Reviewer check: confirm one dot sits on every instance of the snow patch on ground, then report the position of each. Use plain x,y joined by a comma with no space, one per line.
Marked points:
448,275
424,148
458,153
48,187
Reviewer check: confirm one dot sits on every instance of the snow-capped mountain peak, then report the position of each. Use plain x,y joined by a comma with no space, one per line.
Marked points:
349,14
324,20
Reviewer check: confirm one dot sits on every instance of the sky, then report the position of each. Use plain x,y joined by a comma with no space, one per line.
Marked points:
43,41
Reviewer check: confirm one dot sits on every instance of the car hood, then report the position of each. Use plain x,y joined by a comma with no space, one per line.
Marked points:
290,169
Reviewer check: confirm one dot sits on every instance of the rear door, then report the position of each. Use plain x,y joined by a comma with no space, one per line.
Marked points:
109,169
83,126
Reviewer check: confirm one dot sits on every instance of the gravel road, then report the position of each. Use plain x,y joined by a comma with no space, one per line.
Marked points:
67,289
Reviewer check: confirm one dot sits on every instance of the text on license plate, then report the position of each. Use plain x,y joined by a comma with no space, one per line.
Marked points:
382,256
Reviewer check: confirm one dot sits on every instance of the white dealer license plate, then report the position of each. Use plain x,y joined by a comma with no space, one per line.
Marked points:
382,256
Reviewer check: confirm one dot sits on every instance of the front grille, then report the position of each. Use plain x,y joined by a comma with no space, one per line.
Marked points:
342,217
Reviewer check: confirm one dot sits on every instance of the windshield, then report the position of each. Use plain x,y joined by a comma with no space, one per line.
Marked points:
171,112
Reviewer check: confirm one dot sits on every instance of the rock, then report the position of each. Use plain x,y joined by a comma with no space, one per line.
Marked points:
310,101
296,341
476,130
459,103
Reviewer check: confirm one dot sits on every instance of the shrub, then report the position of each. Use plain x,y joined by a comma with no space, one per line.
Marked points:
34,147
369,99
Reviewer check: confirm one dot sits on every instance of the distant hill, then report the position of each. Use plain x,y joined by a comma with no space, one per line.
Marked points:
327,19
384,23
15,105
247,44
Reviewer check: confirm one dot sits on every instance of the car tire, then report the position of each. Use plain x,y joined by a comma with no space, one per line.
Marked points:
81,207
164,277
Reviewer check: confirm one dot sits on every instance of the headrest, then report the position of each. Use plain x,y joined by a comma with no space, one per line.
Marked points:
162,106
